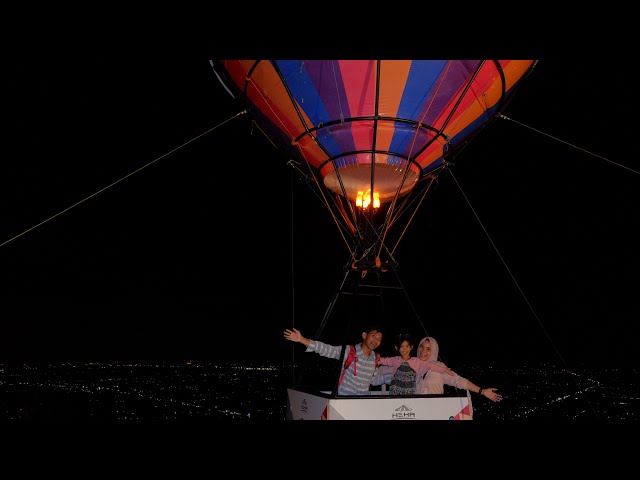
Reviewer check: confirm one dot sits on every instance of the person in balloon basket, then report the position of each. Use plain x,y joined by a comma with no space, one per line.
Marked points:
432,381
360,373
404,367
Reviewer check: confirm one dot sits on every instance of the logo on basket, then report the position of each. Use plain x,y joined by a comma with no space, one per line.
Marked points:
303,406
403,413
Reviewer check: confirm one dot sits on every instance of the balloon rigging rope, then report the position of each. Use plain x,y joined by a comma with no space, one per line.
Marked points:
408,166
120,180
254,123
323,200
507,267
426,190
326,204
570,144
562,360
293,296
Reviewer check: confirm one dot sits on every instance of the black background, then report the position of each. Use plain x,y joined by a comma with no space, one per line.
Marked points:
211,251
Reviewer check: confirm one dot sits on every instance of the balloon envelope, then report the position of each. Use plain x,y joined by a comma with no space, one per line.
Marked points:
373,125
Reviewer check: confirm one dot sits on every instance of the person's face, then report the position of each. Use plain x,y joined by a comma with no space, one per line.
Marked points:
424,350
373,339
405,349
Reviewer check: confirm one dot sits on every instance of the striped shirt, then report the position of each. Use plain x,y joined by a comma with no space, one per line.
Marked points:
357,384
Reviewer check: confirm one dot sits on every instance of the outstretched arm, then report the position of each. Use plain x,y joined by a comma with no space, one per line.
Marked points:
294,335
392,361
490,393
432,365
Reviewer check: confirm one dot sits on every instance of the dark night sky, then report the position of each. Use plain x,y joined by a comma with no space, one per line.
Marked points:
192,256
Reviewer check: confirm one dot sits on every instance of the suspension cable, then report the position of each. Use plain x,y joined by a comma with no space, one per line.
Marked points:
500,115
507,267
570,144
293,296
120,180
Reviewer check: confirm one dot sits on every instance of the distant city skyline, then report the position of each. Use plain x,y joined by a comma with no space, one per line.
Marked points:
131,392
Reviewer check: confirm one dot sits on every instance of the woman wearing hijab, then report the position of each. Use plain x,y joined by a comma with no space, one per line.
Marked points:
432,381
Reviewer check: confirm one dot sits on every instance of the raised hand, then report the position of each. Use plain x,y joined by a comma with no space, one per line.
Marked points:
293,335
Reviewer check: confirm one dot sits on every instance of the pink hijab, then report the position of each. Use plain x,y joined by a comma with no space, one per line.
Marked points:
435,364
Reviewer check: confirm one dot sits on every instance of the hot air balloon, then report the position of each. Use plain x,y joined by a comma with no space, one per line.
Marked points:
371,137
